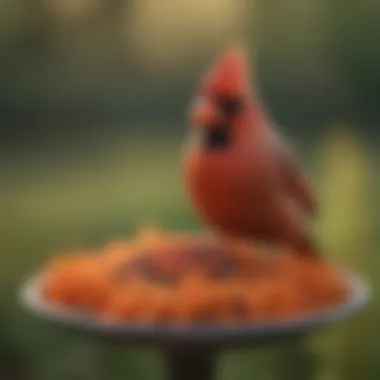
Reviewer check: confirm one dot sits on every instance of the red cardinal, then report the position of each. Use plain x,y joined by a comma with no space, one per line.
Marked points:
241,178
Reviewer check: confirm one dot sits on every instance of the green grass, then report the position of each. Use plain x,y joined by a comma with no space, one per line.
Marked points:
64,200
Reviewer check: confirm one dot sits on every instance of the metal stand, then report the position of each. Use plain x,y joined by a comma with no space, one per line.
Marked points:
190,364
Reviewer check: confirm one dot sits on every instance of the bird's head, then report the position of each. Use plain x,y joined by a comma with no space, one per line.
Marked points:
221,99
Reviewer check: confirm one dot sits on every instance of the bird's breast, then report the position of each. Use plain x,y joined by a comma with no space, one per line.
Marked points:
225,189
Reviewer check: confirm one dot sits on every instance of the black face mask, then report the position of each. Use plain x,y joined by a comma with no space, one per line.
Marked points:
216,137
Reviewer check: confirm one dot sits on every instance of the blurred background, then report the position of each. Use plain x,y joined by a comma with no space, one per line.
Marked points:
93,101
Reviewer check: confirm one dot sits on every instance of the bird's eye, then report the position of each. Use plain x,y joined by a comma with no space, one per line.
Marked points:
230,106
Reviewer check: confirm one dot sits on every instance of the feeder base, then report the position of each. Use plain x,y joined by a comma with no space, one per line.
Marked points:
191,364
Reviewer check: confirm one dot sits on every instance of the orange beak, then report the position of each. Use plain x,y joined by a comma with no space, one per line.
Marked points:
204,113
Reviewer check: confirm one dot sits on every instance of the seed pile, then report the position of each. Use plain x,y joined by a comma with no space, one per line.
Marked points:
159,278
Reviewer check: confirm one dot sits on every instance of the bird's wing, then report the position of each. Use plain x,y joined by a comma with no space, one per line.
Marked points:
293,180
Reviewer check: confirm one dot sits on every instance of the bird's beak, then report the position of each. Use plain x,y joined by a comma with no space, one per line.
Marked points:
204,113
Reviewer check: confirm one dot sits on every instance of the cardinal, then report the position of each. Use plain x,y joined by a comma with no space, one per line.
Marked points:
241,178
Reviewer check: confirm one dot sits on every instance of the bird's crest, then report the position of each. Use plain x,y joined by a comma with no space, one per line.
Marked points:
228,77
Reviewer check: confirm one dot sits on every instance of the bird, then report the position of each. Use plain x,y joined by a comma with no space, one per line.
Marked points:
242,179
